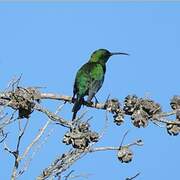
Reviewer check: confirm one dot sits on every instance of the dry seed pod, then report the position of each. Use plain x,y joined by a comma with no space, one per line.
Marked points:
67,139
80,136
178,115
118,118
139,118
84,127
173,129
130,104
175,102
150,107
125,155
94,137
25,108
112,105
80,143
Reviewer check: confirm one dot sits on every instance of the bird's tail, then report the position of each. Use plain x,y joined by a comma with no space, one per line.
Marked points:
77,105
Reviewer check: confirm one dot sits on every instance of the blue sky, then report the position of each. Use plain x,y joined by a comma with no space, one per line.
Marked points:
48,42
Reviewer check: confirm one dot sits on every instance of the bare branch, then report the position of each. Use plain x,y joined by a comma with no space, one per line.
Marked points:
8,120
16,152
53,116
69,99
112,148
41,131
105,126
138,142
124,136
4,136
28,161
61,164
107,148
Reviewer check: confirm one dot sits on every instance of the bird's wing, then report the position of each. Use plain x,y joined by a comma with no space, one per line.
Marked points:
97,79
82,81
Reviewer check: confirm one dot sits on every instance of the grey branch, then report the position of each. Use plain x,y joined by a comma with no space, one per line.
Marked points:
63,162
69,99
53,116
7,99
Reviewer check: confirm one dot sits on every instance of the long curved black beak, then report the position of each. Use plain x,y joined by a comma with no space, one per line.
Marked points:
119,53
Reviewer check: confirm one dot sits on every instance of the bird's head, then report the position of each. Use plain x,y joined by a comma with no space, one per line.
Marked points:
102,55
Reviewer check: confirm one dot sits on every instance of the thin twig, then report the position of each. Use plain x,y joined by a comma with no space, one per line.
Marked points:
38,136
138,142
35,140
133,177
27,163
78,176
105,126
67,176
4,136
16,152
123,138
8,120
41,131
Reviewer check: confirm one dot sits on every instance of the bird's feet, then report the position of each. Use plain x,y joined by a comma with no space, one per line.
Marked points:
89,102
73,99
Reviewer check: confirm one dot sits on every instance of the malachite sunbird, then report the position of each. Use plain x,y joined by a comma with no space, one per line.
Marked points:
90,78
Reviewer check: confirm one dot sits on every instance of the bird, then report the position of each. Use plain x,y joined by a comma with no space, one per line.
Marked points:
90,77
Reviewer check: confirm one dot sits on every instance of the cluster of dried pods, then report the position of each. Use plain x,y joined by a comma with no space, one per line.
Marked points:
141,110
80,136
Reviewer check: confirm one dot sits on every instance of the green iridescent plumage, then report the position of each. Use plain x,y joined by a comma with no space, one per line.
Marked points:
90,78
